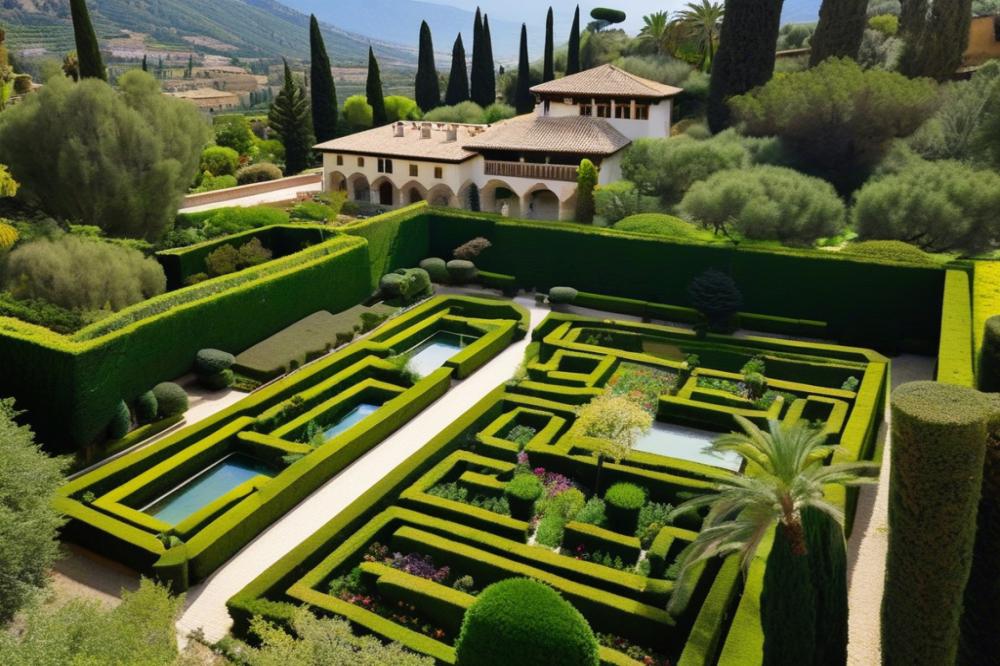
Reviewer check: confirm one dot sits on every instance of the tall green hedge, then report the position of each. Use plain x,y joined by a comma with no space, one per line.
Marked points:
955,353
938,447
989,356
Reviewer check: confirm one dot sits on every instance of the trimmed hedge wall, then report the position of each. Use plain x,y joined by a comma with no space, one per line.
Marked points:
955,355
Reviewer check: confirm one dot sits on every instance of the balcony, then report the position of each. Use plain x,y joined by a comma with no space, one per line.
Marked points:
560,172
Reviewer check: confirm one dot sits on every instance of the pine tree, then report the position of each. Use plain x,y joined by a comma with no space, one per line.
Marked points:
324,90
489,67
549,67
524,100
289,119
428,88
745,58
586,181
144,63
573,57
787,604
478,65
936,40
88,51
373,89
458,79
839,31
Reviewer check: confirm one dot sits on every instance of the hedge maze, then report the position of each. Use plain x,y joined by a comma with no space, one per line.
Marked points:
508,490
182,506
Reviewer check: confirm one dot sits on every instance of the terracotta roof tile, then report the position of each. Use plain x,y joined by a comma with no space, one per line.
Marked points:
383,141
606,81
567,134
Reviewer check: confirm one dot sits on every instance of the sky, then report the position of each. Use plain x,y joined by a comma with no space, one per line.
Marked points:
533,11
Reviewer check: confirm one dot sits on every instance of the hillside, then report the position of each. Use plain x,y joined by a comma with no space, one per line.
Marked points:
244,28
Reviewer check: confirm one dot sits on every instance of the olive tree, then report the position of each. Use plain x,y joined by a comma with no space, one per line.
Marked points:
117,159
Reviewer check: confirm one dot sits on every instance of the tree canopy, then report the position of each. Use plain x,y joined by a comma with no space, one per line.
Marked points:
289,118
458,78
428,87
323,89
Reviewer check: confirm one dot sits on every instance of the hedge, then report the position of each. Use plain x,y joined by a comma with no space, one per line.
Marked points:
955,353
985,300
989,356
939,442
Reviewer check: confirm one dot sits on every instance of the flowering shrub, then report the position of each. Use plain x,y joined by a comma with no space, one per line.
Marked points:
642,384
634,651
617,421
420,565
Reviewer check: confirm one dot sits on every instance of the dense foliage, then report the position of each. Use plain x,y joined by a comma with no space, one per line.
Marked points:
83,274
458,77
428,87
289,118
657,224
586,181
471,113
88,50
118,159
621,199
839,31
233,131
323,94
936,35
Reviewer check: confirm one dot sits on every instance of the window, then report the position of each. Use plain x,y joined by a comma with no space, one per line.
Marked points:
586,110
438,173
340,160
361,161
642,112
414,171
384,165
623,111
603,110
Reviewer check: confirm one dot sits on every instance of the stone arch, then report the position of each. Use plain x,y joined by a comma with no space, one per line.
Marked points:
540,203
385,193
336,182
413,192
442,195
495,194
359,187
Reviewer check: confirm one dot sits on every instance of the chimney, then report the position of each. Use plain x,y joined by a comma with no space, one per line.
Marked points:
425,131
452,132
398,130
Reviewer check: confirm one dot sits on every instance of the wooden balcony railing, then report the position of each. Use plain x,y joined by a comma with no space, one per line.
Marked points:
561,172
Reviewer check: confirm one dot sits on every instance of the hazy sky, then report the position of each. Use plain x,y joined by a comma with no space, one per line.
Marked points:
533,11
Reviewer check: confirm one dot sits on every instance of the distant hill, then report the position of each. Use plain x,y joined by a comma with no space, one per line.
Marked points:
244,28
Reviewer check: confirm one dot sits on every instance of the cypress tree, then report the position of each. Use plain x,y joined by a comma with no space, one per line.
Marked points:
912,15
474,199
745,58
839,31
144,63
586,181
549,68
428,88
936,40
828,567
373,89
458,79
88,51
478,66
489,67
573,57
189,72
787,605
524,100
289,118
324,90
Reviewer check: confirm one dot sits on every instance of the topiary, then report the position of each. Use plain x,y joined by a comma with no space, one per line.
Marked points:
623,502
472,249
146,407
217,381
121,422
716,296
8,236
406,284
562,295
939,435
989,357
522,621
171,399
889,250
521,492
658,224
258,173
462,271
212,362
436,268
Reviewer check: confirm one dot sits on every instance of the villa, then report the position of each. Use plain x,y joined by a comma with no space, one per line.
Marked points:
523,167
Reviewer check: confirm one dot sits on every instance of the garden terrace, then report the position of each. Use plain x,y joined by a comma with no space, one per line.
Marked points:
180,507
407,559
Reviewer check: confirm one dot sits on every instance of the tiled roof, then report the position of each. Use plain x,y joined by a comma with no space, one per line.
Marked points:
606,81
383,141
567,134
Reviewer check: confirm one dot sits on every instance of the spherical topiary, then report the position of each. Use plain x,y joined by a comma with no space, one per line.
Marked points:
989,357
218,381
462,271
624,500
437,269
521,621
258,173
171,399
939,436
522,491
715,295
212,361
562,295
146,407
8,236
121,422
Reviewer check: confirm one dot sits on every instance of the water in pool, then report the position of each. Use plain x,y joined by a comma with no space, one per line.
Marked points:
205,487
349,419
687,444
431,354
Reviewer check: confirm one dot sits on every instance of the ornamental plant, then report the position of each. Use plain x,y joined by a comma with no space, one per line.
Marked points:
616,423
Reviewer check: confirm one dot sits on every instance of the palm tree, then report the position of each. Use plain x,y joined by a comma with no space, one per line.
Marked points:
656,30
701,24
788,471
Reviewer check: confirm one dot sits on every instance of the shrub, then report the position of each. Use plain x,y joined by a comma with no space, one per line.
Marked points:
497,112
562,295
889,251
586,181
461,271
258,173
233,131
466,112
621,199
522,621
228,259
146,407
212,361
989,358
8,236
623,502
210,183
219,161
939,206
358,113
436,268
939,435
766,203
887,24
472,249
593,513
550,531
217,381
78,273
716,296
129,163
656,224
171,399
653,516
521,492
398,107
121,421
407,284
